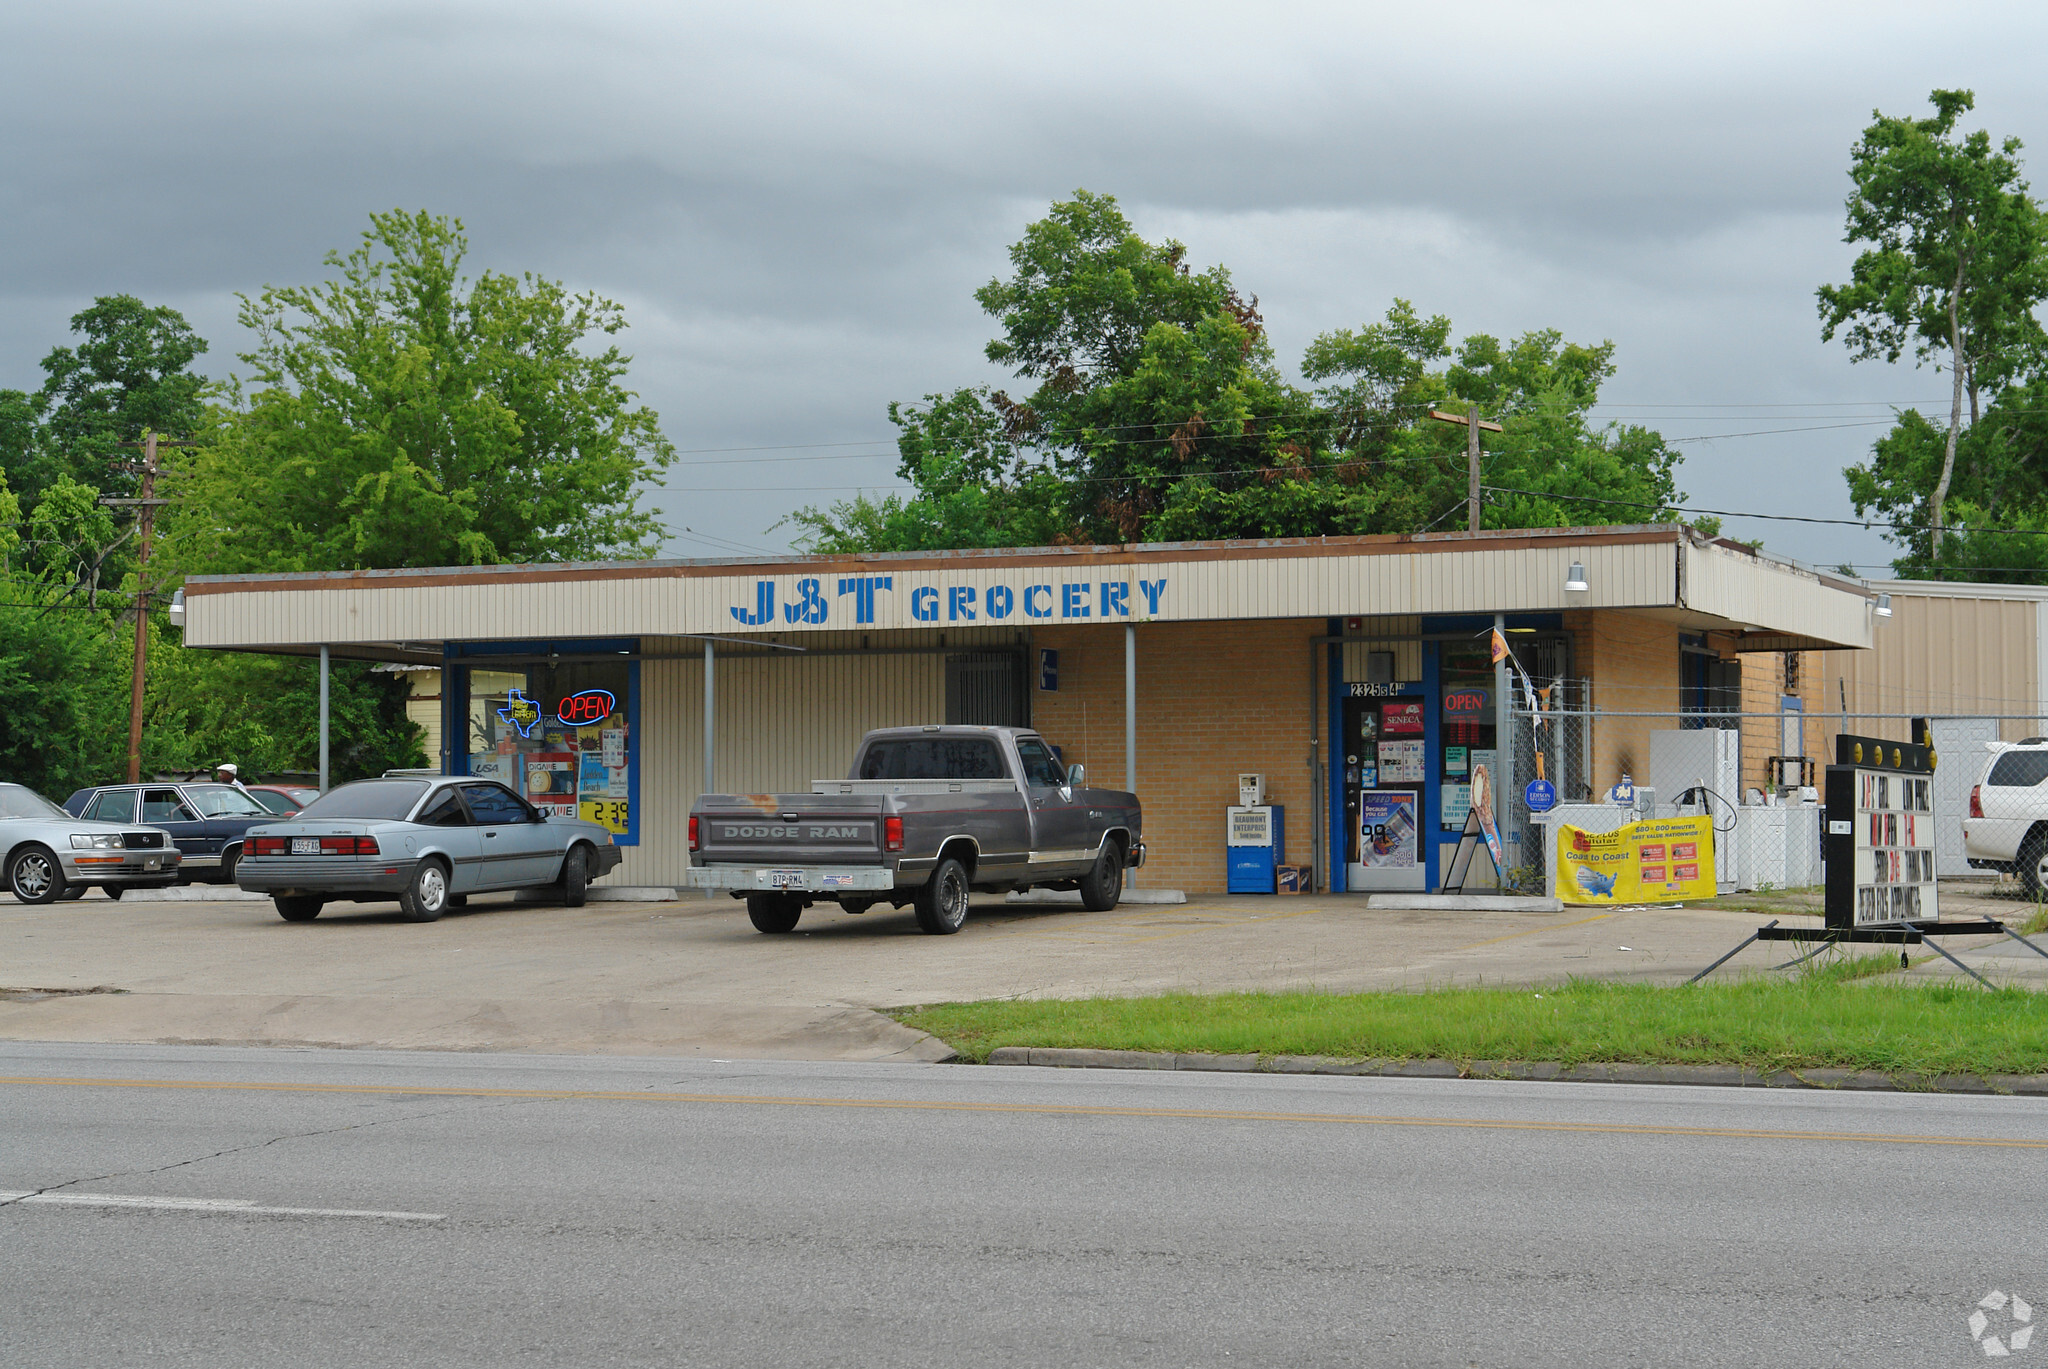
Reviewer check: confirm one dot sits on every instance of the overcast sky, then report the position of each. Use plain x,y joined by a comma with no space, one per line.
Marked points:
795,202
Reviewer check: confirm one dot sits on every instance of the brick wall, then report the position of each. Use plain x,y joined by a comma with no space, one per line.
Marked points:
1213,699
1633,663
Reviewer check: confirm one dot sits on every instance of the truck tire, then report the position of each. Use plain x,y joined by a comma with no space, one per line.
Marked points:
1102,886
774,913
942,902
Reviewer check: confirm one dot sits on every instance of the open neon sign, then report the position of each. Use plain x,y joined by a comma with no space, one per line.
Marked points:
588,706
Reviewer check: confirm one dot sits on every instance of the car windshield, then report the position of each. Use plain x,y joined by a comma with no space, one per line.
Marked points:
367,799
19,802
224,801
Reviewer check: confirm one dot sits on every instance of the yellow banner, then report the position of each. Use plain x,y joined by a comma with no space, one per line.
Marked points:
1658,860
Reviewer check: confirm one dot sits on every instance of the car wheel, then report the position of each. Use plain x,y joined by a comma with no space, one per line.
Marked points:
297,907
575,877
228,863
1102,886
942,902
76,891
34,876
774,913
426,898
2032,866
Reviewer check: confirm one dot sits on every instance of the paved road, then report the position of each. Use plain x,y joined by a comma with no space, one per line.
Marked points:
415,1208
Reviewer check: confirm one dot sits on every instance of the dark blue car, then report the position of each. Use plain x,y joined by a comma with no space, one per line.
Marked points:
206,821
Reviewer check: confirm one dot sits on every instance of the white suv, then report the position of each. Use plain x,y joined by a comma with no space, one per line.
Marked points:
2007,829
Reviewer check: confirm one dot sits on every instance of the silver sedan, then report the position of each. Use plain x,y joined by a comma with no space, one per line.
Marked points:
52,855
429,843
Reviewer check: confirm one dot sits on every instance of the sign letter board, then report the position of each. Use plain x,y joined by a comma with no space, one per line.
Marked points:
1880,834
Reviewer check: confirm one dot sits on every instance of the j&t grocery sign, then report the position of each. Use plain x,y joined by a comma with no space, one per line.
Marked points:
857,600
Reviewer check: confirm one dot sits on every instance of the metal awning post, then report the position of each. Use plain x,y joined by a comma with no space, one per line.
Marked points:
710,711
1131,718
323,717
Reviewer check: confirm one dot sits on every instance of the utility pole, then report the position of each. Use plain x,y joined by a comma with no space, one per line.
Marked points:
1473,424
145,517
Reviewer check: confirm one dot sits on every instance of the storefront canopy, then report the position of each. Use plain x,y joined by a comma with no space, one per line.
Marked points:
1752,602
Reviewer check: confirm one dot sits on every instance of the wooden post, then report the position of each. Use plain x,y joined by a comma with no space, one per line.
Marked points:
1472,469
146,513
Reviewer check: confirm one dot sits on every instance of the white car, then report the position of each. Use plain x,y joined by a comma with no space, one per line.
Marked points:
2007,829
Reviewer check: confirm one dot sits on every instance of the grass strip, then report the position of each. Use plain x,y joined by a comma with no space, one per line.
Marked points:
1841,1016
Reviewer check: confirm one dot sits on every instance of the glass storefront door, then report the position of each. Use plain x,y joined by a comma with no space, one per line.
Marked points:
557,735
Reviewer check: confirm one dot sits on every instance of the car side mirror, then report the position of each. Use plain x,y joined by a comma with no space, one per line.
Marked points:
1077,777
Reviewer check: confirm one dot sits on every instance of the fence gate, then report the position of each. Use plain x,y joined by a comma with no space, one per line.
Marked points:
1960,758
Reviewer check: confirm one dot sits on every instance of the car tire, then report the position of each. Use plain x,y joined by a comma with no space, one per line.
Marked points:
941,903
228,863
774,913
298,907
2033,857
1102,886
74,893
426,897
35,876
113,891
576,877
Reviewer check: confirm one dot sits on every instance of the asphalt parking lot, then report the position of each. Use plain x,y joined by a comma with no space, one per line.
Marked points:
694,978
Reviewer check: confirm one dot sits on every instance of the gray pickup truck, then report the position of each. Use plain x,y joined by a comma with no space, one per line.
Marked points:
928,814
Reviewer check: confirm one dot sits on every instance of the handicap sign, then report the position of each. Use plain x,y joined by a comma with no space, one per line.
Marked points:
1540,796
1623,793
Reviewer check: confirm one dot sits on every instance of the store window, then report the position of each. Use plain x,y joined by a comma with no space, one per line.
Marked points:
558,735
1467,729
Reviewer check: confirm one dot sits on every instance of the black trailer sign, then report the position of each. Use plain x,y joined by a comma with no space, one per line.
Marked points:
1880,834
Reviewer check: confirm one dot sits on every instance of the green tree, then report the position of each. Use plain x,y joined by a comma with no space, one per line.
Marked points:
131,374
404,415
1158,413
1952,270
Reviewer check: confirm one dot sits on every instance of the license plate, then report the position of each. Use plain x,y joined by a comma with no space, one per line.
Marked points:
305,846
786,879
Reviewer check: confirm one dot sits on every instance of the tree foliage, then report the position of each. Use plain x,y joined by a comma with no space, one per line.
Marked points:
1158,412
1952,269
401,414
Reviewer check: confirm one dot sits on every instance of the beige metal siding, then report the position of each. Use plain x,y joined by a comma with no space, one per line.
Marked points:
1440,578
1795,604
1402,636
783,720
1939,654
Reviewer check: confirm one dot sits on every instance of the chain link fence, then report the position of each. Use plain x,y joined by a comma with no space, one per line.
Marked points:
1760,777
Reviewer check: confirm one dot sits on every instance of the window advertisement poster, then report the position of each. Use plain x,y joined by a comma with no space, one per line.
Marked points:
1401,762
559,737
1387,829
1458,760
1659,860
1399,719
1457,806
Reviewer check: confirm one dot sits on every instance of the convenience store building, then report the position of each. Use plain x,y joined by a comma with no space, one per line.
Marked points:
1344,670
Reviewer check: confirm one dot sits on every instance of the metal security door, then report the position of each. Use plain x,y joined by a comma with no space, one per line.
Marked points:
1959,764
986,689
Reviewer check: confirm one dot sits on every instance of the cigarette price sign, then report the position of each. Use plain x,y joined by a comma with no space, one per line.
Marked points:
1880,834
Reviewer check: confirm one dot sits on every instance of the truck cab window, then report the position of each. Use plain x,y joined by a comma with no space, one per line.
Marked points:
934,758
1041,771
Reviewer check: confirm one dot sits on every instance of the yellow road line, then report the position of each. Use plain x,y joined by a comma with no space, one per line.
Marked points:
1039,1109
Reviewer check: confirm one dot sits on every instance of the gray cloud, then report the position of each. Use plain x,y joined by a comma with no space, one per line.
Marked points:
795,202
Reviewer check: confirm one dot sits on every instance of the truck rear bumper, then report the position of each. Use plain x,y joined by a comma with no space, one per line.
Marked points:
1134,859
810,879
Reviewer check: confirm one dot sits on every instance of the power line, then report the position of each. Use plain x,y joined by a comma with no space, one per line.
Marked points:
1864,523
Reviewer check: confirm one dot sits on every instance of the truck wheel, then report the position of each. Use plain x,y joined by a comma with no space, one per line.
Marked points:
297,907
774,913
942,902
1102,886
2032,864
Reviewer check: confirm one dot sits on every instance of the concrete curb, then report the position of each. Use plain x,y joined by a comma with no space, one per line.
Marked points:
1071,898
194,893
1714,1076
1461,903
